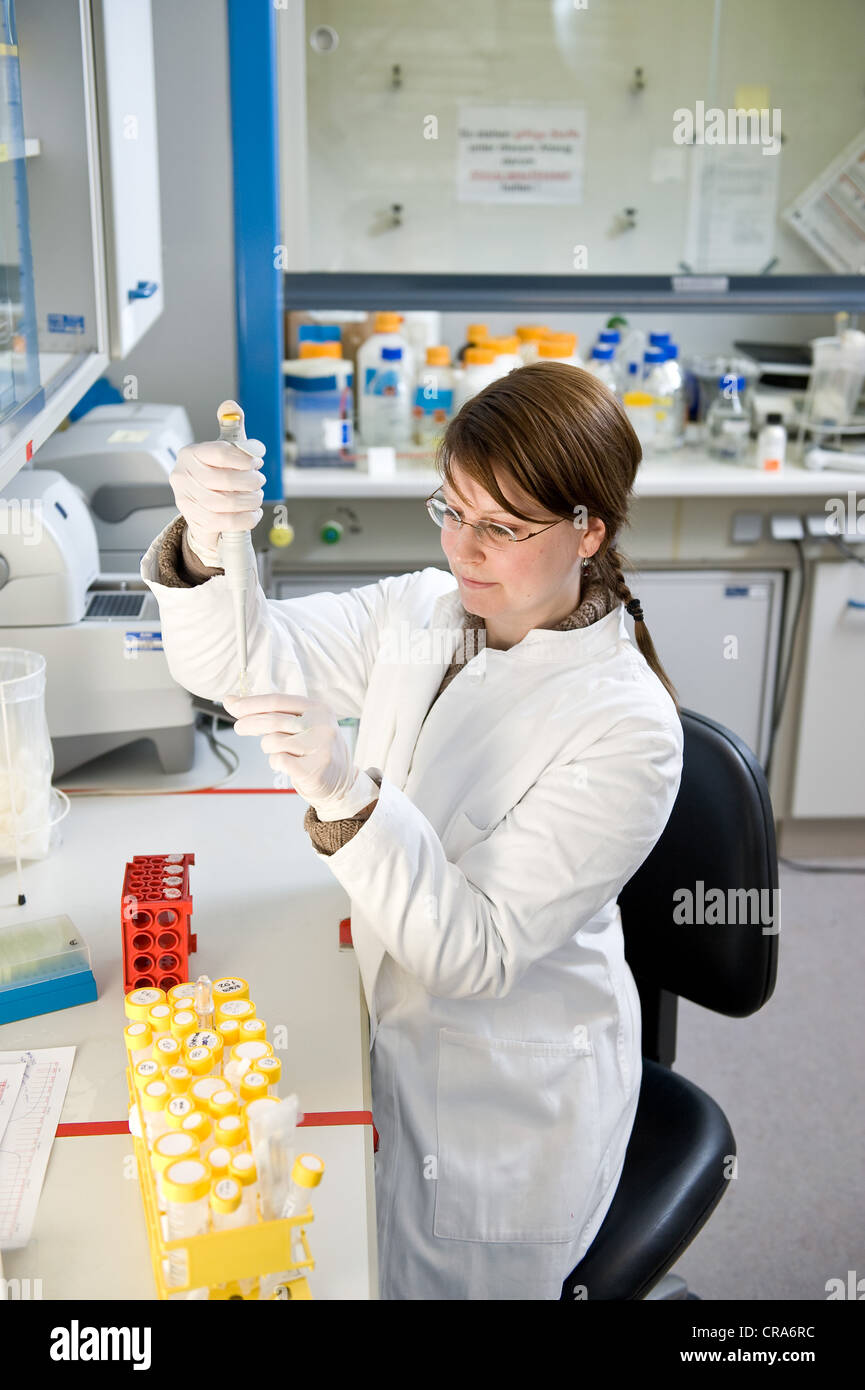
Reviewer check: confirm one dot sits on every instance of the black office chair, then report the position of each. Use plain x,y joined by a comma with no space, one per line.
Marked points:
720,835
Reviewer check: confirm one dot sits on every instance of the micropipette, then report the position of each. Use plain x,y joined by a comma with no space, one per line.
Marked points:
237,552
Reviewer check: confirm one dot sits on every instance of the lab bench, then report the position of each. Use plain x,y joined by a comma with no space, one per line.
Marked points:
265,907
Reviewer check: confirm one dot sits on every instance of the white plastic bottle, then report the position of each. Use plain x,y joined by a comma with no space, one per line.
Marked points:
667,384
771,444
433,397
506,353
601,365
480,369
387,334
388,401
319,405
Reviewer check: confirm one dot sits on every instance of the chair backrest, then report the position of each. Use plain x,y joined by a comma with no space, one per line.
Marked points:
700,915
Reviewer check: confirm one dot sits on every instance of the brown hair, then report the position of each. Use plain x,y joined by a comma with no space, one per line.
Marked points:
566,440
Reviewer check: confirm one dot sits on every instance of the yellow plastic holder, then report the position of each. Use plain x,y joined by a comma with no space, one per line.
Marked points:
219,1259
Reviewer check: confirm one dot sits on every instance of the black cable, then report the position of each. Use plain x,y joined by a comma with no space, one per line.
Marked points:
821,868
846,550
794,632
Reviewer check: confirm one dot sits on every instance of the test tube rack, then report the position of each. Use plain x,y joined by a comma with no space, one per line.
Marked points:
155,916
217,1260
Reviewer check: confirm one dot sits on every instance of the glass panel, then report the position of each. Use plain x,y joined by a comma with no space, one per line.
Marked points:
552,137
19,348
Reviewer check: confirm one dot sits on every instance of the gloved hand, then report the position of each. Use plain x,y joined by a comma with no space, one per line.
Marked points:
302,737
217,488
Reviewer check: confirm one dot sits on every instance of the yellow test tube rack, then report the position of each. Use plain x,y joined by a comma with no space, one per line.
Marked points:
218,1259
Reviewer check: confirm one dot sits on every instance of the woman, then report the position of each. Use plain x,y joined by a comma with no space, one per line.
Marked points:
517,759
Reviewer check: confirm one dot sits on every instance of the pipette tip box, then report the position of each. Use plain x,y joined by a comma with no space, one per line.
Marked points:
44,966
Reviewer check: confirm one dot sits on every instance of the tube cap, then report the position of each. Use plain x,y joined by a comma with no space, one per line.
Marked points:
154,1095
231,1131
308,1170
229,987
225,1196
242,1167
138,1003
253,1085
137,1036
179,1079
186,1180
223,1102
172,1146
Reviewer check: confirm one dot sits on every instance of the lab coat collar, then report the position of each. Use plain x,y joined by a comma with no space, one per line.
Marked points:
543,644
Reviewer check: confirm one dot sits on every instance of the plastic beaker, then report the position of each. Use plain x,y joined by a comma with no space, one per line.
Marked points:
28,804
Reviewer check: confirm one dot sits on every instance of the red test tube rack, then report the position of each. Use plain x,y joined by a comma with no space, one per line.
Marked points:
155,915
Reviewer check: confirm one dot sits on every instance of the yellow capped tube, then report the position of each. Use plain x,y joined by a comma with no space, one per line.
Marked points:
235,1008
201,1126
180,995
153,1100
170,1147
179,1079
186,1185
208,1037
199,1060
167,1051
203,1088
226,1212
224,1102
138,1003
253,1085
252,1030
229,987
177,1110
159,1018
243,1168
139,1042
243,1056
218,1160
229,1030
230,1132
146,1071
183,1023
271,1067
307,1172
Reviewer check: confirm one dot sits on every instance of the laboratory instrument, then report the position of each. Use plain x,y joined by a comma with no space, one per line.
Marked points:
107,679
44,966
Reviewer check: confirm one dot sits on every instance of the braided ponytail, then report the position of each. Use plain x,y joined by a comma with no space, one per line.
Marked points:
563,437
607,564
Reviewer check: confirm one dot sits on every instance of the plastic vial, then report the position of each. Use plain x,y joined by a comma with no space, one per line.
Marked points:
218,1160
253,1030
146,1071
772,444
235,1008
727,426
601,365
159,1018
227,1212
243,1168
208,1037
153,1101
243,1056
271,1067
200,1061
184,992
167,1051
139,1042
230,1133
177,1110
229,987
179,1079
203,1001
186,1185
223,1102
183,1023
200,1126
203,1088
168,1149
306,1174
139,1002
253,1085
229,1031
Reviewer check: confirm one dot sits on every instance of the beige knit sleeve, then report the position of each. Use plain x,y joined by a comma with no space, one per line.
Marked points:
177,566
330,835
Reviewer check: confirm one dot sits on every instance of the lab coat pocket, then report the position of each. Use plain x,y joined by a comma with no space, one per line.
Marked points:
518,1138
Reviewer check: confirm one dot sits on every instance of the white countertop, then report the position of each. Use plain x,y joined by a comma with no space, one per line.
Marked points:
690,473
265,907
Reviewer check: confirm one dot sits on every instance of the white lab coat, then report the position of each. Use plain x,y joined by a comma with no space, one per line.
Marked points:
504,1019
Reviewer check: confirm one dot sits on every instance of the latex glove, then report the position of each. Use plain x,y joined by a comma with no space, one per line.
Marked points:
217,488
302,737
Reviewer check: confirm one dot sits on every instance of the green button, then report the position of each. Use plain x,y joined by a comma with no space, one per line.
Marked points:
331,532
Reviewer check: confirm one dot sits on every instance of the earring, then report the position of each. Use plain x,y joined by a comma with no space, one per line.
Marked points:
585,562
